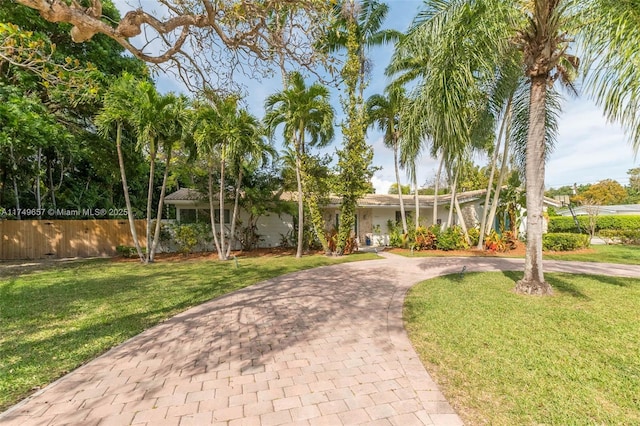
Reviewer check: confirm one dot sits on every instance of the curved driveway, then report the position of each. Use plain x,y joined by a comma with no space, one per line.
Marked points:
322,346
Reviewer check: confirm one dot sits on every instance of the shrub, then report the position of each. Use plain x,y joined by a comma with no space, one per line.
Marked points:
126,251
564,241
474,236
623,236
567,223
186,237
425,238
500,242
451,239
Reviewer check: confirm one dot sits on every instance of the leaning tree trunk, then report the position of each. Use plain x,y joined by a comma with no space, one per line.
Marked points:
163,190
234,216
503,173
494,161
212,210
403,216
454,189
533,281
152,171
437,188
125,188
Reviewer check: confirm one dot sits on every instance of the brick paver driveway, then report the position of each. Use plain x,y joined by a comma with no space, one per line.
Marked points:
324,346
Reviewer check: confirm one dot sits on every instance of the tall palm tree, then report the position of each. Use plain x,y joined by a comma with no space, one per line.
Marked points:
116,109
248,152
172,119
221,134
384,112
469,39
305,112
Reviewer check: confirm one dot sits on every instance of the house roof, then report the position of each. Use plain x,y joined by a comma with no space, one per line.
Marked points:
612,210
185,194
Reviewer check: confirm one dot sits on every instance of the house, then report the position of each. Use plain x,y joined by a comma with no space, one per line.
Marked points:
372,216
619,209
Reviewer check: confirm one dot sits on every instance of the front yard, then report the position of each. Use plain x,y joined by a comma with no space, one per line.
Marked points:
505,359
54,320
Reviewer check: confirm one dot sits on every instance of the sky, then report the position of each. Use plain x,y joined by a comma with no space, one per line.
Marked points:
588,149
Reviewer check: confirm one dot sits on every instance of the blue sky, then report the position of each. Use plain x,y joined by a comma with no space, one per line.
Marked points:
588,148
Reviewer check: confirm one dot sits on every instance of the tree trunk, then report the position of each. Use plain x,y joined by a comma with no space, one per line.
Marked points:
533,281
125,188
152,170
416,196
400,198
453,198
52,187
38,196
16,193
437,188
300,206
501,177
163,190
313,205
222,254
234,217
494,161
212,210
463,225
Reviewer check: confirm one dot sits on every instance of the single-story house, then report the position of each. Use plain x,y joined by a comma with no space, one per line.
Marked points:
619,209
372,215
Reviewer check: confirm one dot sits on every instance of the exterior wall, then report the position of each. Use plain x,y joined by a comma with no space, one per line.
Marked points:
271,227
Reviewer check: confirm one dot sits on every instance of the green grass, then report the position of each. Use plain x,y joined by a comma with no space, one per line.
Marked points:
52,321
507,359
602,253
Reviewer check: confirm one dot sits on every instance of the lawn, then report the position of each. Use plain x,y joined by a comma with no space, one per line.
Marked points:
506,359
54,320
597,253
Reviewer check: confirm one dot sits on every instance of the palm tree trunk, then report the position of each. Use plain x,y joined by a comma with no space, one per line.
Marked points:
453,198
234,217
463,225
501,178
163,190
437,188
152,170
212,210
494,161
125,188
300,206
222,254
416,196
395,163
533,281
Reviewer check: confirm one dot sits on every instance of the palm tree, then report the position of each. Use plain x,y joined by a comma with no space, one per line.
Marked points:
116,109
384,112
172,119
248,152
469,40
222,133
304,112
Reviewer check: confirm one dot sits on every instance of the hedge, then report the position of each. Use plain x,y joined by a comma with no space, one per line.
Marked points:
564,241
623,236
567,223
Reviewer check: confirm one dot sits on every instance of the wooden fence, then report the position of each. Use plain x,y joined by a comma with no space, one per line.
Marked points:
43,239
